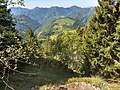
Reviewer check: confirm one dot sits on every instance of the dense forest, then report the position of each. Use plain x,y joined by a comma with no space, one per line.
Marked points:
63,54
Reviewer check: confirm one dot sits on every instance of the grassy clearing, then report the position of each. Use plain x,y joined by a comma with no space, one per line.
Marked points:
98,82
114,86
95,81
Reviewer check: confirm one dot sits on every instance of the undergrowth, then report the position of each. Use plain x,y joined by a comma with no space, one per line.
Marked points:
31,77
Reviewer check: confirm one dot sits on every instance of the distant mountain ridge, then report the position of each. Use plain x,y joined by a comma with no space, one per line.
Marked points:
25,23
43,15
56,27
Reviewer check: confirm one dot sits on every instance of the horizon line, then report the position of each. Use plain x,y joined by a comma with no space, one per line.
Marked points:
52,6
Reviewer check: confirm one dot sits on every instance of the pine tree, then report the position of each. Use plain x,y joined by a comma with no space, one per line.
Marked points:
32,46
105,17
11,46
101,49
65,48
6,21
10,41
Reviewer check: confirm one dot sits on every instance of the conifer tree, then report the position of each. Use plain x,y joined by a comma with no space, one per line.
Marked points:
105,17
11,49
99,41
6,21
32,46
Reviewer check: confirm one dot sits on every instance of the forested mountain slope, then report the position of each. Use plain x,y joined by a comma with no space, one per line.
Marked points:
43,15
57,26
25,22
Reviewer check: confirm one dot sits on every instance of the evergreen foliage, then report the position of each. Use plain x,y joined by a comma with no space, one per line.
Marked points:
96,50
8,38
100,40
32,46
6,21
11,47
64,47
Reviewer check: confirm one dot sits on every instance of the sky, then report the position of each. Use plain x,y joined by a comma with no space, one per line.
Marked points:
61,3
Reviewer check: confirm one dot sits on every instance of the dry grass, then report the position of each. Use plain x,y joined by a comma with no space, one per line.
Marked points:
114,86
85,83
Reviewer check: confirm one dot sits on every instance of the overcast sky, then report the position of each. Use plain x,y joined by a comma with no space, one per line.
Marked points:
60,3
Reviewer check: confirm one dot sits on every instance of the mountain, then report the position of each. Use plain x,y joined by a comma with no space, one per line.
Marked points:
25,22
56,27
43,15
83,14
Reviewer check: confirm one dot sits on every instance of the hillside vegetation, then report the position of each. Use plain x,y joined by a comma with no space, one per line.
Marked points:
40,16
25,22
56,27
44,72
61,54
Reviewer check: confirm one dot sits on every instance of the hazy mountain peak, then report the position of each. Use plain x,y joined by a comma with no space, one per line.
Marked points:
36,8
75,6
42,15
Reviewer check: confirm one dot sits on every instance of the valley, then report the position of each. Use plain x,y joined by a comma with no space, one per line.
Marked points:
37,17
